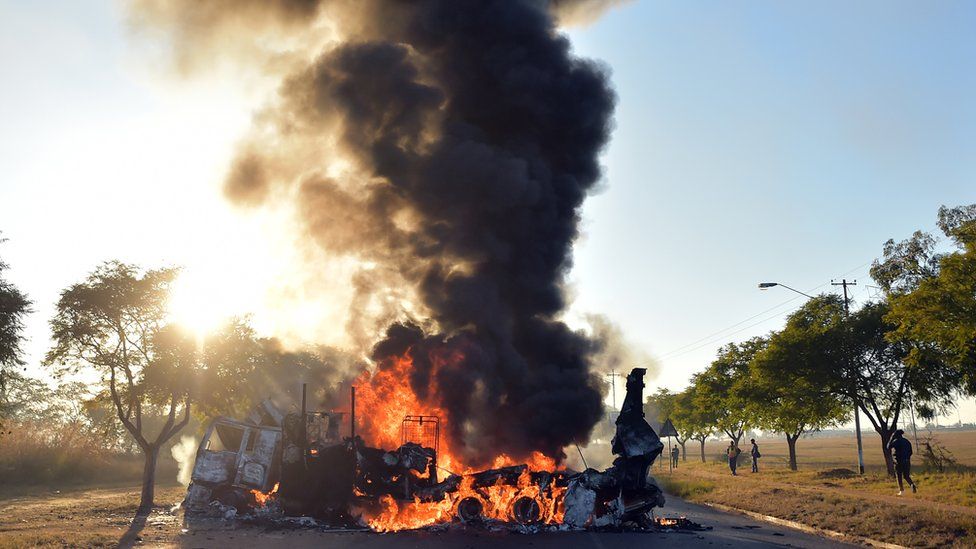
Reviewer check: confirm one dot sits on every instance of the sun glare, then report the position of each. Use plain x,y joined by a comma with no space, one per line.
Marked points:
201,301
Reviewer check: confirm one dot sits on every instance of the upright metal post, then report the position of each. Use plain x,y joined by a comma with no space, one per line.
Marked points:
670,459
857,410
613,388
911,407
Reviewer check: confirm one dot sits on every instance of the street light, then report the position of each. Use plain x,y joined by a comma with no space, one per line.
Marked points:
857,416
767,285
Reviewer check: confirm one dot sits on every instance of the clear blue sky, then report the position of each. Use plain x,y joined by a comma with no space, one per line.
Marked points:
781,141
754,141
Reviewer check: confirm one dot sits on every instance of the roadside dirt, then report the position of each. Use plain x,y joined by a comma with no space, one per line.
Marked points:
827,487
103,517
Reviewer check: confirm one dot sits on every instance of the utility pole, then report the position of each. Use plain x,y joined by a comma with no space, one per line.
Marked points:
613,375
911,408
857,411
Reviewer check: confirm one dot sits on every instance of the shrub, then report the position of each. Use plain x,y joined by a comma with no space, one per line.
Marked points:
37,453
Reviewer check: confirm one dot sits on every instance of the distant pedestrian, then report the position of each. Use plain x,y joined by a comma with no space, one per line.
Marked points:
755,455
674,457
733,453
902,449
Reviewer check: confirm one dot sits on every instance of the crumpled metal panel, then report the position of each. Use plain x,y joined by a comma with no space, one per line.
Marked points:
634,436
214,467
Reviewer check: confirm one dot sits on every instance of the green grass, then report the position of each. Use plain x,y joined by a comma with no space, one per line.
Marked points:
685,488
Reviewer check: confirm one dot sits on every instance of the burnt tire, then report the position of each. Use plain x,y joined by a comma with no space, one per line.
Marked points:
470,509
526,510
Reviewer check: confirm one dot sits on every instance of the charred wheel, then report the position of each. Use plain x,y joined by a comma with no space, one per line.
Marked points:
526,510
471,509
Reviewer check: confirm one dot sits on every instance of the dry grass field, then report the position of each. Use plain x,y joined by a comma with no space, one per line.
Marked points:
820,494
93,517
822,451
825,493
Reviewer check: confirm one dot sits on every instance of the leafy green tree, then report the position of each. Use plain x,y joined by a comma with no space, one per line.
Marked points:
112,323
881,379
723,390
907,263
858,362
849,360
662,406
938,314
698,422
685,421
14,307
786,401
690,420
24,398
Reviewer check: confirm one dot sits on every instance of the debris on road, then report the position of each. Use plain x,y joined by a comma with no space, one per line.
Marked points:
296,470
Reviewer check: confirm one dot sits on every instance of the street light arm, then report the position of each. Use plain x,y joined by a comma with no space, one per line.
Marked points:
765,285
795,290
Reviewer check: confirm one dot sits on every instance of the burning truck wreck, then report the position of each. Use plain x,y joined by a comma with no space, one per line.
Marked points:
302,465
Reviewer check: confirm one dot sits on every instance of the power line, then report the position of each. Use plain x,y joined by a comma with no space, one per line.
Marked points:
711,339
671,352
716,340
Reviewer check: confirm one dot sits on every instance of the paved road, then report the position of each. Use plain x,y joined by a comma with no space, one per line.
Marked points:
728,530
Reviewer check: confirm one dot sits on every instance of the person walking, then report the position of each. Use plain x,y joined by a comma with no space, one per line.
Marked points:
902,449
674,457
755,455
733,453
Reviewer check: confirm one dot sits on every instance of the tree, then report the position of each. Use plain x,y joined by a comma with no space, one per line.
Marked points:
699,422
723,390
14,307
786,401
906,264
880,380
856,361
662,406
687,423
112,323
938,313
849,359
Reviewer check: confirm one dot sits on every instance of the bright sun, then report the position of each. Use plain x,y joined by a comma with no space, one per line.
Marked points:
200,303
227,270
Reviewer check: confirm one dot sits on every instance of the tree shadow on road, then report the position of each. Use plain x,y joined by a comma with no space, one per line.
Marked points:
131,536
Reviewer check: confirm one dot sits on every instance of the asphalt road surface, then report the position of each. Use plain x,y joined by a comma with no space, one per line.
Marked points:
728,530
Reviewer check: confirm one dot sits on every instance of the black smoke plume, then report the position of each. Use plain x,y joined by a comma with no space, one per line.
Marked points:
469,137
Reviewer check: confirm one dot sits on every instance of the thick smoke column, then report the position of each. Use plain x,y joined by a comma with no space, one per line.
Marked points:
448,145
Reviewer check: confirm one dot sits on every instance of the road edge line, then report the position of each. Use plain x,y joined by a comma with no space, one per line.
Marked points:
804,527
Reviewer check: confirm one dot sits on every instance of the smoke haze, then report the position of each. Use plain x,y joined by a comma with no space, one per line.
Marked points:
447,147
184,452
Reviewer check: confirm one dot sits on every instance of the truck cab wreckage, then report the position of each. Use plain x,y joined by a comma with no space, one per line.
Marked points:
300,462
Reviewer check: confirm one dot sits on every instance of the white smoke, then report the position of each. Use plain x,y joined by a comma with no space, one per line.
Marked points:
184,452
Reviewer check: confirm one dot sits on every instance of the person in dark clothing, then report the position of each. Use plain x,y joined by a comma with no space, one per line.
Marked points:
902,449
755,455
733,453
674,457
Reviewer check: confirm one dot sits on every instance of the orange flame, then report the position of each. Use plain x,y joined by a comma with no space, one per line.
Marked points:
262,498
387,397
497,503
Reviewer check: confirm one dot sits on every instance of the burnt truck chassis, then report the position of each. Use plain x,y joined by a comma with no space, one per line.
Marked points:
317,475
